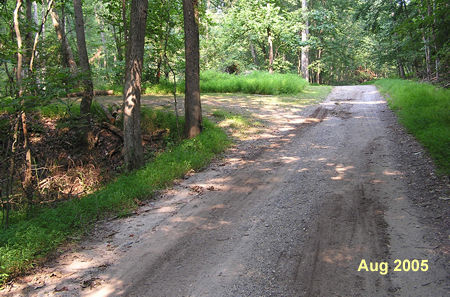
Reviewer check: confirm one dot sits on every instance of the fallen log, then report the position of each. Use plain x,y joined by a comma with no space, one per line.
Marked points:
96,93
111,119
146,138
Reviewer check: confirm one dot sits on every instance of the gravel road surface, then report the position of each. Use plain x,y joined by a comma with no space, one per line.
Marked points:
290,214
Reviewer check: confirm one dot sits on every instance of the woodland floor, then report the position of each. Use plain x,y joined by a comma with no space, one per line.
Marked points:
290,210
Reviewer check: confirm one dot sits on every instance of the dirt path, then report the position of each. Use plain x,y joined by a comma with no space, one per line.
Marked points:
290,214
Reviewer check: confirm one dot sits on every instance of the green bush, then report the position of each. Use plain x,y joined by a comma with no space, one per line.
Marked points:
425,111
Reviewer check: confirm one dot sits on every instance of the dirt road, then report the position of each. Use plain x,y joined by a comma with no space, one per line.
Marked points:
292,214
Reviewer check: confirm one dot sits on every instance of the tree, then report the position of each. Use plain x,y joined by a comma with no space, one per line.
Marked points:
192,105
133,152
66,51
305,48
88,95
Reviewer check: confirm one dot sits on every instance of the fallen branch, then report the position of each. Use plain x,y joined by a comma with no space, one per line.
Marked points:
147,138
96,93
111,119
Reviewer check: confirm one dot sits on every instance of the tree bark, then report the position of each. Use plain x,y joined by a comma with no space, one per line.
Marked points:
86,101
27,183
28,32
253,52
19,74
38,33
401,70
66,51
305,35
117,41
133,151
193,109
319,55
270,42
426,42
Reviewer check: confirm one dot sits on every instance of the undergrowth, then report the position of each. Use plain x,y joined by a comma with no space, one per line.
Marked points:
30,239
425,111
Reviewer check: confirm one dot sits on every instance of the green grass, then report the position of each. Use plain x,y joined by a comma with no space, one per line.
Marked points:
425,111
257,82
233,120
30,239
163,88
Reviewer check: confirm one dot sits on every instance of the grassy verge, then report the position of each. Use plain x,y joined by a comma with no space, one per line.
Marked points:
30,239
425,111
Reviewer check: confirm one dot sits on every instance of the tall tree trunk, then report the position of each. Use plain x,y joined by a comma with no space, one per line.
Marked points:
86,101
125,22
319,54
102,37
253,52
133,152
66,51
38,33
401,70
27,183
117,41
305,36
426,43
193,108
35,13
433,35
29,31
270,42
427,56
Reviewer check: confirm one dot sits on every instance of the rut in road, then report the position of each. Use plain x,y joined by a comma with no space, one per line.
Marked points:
291,218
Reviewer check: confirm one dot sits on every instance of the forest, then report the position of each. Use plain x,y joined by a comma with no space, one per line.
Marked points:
68,150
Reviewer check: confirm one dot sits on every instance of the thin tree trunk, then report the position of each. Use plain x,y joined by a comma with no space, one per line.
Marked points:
19,74
427,56
319,54
133,151
253,52
125,23
35,13
401,70
270,42
158,68
10,181
86,101
102,37
425,40
28,176
305,36
27,185
433,35
28,32
66,51
117,41
193,108
38,33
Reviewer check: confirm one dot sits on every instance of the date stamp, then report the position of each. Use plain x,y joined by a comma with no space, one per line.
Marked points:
405,265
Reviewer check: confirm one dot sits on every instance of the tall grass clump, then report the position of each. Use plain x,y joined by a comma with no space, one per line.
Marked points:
30,238
257,82
425,111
